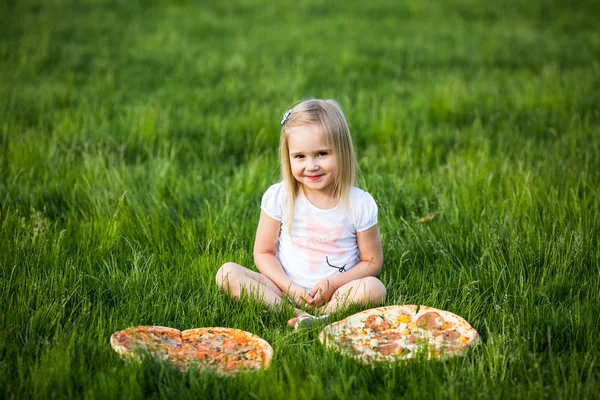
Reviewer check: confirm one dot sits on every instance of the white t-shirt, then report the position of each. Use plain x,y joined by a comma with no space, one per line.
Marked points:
323,242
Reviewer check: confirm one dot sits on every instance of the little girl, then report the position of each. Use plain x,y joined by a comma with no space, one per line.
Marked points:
317,241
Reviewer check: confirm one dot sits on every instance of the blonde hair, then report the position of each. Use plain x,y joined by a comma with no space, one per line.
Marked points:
327,115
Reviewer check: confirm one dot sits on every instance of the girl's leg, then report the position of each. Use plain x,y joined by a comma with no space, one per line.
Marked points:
360,291
233,278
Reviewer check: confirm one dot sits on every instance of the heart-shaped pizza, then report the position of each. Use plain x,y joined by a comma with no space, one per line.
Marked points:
223,350
396,333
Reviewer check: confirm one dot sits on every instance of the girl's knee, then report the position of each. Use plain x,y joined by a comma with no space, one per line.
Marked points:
375,287
227,270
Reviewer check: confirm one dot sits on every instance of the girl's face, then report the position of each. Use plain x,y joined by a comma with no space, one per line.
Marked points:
313,163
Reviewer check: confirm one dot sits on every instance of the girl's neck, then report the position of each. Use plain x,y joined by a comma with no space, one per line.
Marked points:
324,201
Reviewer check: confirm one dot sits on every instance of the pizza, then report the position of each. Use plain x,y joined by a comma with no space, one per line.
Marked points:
223,350
396,333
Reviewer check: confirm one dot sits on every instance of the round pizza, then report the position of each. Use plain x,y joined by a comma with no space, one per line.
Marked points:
400,332
224,350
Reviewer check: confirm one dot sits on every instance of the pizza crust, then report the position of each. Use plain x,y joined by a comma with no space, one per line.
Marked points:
223,350
392,333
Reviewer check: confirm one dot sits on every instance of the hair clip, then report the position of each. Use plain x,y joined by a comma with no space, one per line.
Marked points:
286,116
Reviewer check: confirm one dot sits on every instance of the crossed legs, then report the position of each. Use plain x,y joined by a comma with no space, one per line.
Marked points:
233,278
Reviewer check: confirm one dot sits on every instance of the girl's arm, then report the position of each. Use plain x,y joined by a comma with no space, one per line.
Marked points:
265,247
371,261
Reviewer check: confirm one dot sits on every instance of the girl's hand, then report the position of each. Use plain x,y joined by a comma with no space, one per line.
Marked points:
298,295
322,292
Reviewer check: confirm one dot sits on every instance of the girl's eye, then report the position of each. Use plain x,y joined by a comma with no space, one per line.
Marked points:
298,156
322,153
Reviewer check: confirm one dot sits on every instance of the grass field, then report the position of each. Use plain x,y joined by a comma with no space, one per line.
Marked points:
137,138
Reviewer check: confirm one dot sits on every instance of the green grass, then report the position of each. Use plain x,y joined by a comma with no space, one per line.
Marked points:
137,137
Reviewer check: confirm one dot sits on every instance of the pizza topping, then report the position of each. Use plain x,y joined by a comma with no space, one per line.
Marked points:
415,338
403,318
345,340
394,335
388,348
447,325
447,336
355,329
377,323
351,346
430,321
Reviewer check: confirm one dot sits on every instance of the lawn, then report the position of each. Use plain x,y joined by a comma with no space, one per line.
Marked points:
137,138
